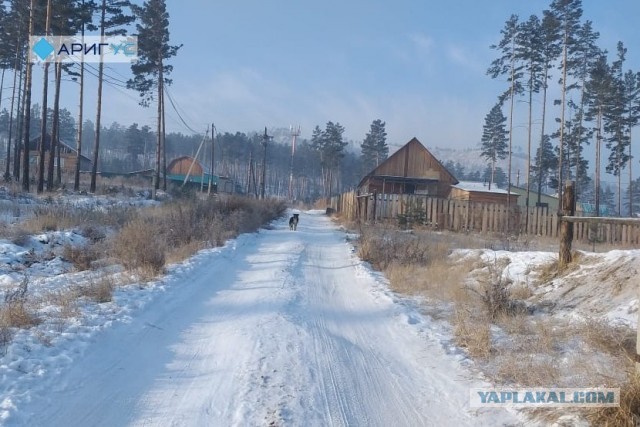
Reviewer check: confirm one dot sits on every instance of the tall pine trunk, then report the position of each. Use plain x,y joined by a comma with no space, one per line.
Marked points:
43,124
1,87
96,147
598,161
544,114
526,220
55,126
512,95
17,83
164,145
156,173
43,127
564,95
27,105
76,178
7,172
579,142
630,177
17,146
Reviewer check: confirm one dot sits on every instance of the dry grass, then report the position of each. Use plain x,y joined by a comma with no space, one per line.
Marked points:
603,337
383,246
176,230
62,216
472,331
99,290
82,257
138,247
527,369
628,413
16,312
66,301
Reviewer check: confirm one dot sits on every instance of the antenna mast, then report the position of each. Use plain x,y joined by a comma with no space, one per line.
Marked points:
295,133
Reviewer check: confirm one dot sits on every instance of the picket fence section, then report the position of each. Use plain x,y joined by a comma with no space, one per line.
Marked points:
460,215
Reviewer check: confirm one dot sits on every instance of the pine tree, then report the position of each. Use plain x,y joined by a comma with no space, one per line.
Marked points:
632,89
633,203
581,60
494,138
568,14
27,106
598,92
151,69
7,53
374,147
608,200
616,122
508,64
546,165
529,50
330,145
43,128
16,35
84,21
551,50
113,22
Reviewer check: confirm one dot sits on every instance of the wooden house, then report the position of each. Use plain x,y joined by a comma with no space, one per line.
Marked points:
410,170
68,155
480,192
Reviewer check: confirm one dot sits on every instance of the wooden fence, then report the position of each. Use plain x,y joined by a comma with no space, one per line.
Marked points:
459,215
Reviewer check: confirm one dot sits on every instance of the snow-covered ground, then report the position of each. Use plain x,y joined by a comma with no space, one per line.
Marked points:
275,328
599,285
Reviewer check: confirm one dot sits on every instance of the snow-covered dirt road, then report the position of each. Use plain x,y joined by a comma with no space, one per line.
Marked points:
279,328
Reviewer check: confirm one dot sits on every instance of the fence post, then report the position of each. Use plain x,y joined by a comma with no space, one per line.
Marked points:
375,205
566,227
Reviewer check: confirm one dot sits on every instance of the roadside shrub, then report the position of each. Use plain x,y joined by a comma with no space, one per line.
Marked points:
16,312
382,247
100,290
472,332
138,247
81,257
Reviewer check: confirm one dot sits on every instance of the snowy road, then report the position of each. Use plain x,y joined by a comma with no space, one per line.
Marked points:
282,328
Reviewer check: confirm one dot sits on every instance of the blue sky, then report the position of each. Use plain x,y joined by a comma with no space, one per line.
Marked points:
418,65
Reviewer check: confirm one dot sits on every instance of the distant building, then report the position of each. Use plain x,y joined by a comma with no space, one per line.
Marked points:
546,200
480,192
410,170
187,169
68,155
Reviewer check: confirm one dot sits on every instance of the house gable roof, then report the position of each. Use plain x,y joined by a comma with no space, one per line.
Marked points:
413,145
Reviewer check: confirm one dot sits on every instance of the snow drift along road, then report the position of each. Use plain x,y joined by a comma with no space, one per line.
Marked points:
278,328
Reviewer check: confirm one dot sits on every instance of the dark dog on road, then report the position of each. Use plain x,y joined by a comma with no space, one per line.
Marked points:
293,222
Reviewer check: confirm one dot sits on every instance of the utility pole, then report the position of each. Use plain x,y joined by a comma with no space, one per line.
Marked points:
265,140
213,152
294,135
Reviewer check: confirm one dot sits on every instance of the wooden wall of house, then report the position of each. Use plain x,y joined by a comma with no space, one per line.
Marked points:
412,160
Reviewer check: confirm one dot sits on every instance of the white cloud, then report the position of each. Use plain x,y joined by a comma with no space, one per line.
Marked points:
422,42
461,56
